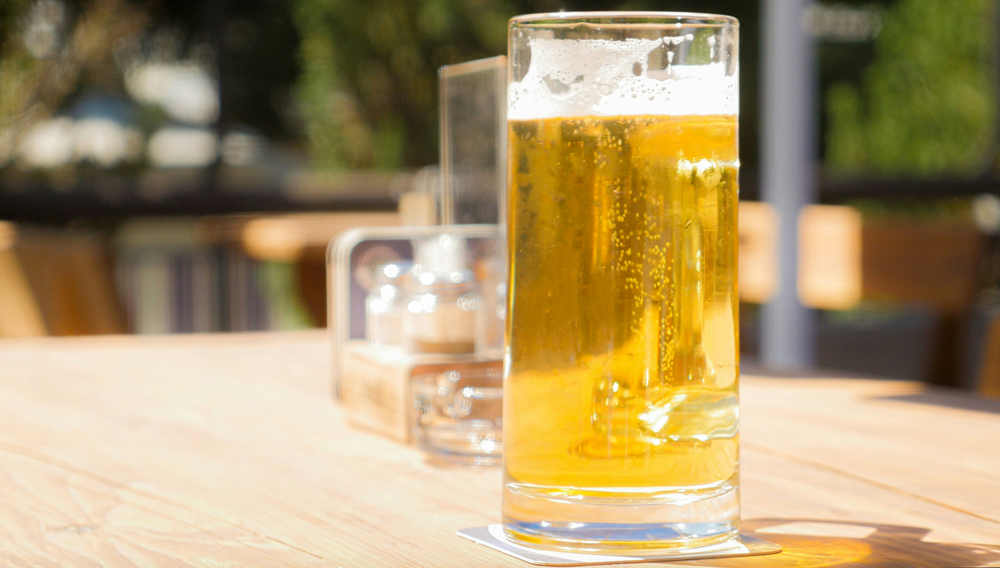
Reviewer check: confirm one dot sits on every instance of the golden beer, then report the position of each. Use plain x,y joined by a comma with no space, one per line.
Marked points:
621,402
622,327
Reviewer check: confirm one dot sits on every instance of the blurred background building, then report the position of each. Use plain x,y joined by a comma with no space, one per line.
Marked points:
179,166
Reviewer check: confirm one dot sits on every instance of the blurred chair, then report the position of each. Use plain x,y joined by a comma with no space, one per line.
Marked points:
213,273
172,280
987,379
758,260
56,282
302,240
230,272
845,260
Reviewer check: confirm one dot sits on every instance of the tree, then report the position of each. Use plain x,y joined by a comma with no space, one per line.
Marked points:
926,105
368,84
50,50
368,88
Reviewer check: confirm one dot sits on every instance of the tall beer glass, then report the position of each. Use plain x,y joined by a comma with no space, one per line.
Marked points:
621,385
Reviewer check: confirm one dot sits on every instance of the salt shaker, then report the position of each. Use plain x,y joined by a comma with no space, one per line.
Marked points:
385,308
443,313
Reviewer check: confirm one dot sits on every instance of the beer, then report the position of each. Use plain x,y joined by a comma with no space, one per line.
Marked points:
622,329
621,384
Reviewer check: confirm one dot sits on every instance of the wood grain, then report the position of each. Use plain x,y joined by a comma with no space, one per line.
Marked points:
227,451
863,428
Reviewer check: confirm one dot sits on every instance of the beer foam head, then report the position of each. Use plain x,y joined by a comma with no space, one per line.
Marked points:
596,77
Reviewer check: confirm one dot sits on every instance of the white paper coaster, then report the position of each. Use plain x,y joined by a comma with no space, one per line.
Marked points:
493,537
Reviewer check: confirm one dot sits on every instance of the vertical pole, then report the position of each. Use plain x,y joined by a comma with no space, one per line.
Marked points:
788,174
216,14
447,216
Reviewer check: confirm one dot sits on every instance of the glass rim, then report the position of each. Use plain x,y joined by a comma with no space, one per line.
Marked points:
625,19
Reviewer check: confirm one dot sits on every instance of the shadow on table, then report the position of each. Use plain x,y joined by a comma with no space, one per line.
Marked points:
811,544
963,401
755,368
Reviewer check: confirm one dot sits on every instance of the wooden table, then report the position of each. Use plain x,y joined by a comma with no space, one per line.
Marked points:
222,450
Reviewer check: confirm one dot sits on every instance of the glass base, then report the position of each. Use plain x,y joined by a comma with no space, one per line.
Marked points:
624,521
493,537
469,443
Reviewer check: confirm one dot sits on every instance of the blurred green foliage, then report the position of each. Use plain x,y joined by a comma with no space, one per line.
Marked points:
946,211
368,88
927,103
11,14
368,82
79,56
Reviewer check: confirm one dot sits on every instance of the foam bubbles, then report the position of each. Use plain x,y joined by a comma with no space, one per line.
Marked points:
596,77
